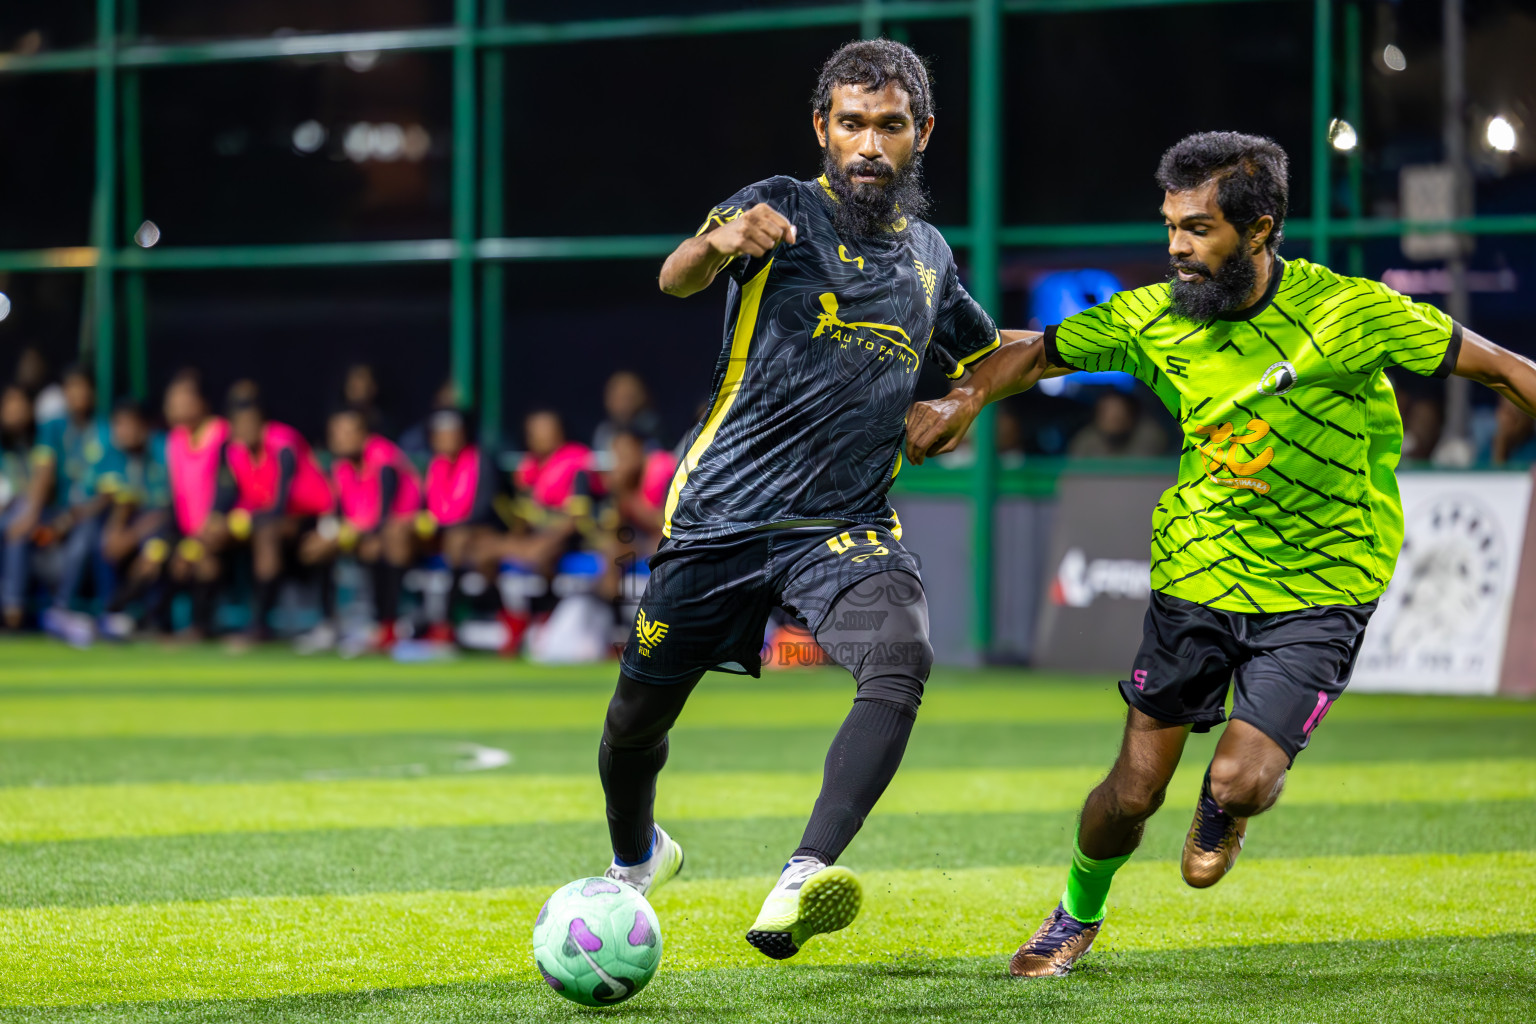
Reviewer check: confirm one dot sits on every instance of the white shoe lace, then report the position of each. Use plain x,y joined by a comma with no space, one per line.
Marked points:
796,872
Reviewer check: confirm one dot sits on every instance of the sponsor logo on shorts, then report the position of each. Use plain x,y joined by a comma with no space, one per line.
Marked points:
1140,678
864,548
649,632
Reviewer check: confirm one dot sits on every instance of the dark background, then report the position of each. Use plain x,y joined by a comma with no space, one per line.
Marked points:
643,137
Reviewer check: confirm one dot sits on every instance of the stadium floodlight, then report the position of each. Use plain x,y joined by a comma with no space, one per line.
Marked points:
1393,58
361,60
1501,134
5,305
1342,135
148,235
309,136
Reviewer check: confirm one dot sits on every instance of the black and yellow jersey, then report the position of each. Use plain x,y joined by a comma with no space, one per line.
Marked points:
823,341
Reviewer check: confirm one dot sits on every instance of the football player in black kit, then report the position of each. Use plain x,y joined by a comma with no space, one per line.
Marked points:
838,291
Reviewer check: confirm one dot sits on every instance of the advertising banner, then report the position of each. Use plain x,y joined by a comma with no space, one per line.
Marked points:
1442,625
1098,573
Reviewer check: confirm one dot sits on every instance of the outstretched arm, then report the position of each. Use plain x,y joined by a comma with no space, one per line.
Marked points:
936,427
1511,375
693,265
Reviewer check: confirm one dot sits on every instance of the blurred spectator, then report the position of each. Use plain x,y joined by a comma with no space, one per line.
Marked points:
636,484
18,443
629,521
194,458
1423,421
627,402
136,535
549,471
46,395
378,494
73,447
462,492
360,391
416,441
1118,430
1514,438
274,489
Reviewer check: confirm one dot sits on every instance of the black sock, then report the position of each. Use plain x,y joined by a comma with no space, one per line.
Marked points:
386,590
632,754
265,592
325,581
861,762
158,614
130,591
629,783
455,591
204,605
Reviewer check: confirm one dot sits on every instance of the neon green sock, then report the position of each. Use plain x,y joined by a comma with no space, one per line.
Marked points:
1088,884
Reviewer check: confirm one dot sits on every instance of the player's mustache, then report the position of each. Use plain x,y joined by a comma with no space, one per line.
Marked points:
875,168
1191,268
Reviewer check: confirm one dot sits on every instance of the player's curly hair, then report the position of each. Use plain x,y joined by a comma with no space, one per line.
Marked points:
873,63
1253,174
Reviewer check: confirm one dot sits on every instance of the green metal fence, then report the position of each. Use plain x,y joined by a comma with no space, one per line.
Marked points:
481,30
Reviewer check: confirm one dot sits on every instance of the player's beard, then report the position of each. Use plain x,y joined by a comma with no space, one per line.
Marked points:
864,210
1214,294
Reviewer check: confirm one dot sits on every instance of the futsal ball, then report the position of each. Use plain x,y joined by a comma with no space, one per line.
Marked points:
596,942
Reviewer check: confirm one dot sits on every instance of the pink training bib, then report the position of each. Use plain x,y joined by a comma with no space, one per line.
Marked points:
256,474
359,489
452,484
551,480
194,465
660,467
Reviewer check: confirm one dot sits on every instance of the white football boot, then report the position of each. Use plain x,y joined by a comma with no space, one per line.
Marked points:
665,861
810,898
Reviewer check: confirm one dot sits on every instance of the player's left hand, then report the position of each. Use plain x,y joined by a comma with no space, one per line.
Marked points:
937,426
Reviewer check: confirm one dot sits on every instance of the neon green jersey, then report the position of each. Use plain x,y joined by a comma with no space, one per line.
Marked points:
1287,493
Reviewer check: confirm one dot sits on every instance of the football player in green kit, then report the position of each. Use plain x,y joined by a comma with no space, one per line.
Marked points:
1271,550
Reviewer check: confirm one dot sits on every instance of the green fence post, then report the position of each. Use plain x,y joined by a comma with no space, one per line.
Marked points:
871,20
492,224
103,223
1322,107
1354,113
135,299
986,212
462,330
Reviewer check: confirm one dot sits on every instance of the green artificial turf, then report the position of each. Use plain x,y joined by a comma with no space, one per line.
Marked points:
190,836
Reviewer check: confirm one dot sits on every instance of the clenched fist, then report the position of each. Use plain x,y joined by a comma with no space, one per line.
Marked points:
936,427
754,233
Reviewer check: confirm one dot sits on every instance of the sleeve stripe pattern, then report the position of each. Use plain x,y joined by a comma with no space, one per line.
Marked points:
1363,326
962,364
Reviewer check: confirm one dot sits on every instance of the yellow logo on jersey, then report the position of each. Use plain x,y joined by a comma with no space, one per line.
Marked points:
649,632
929,276
842,254
880,339
1220,452
719,217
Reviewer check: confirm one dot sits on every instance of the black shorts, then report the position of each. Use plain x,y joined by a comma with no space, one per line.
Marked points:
1290,666
707,602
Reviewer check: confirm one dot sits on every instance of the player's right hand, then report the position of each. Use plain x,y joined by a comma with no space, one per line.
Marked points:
936,427
755,233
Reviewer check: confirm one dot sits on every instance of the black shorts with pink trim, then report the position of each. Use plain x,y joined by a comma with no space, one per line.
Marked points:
1289,666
